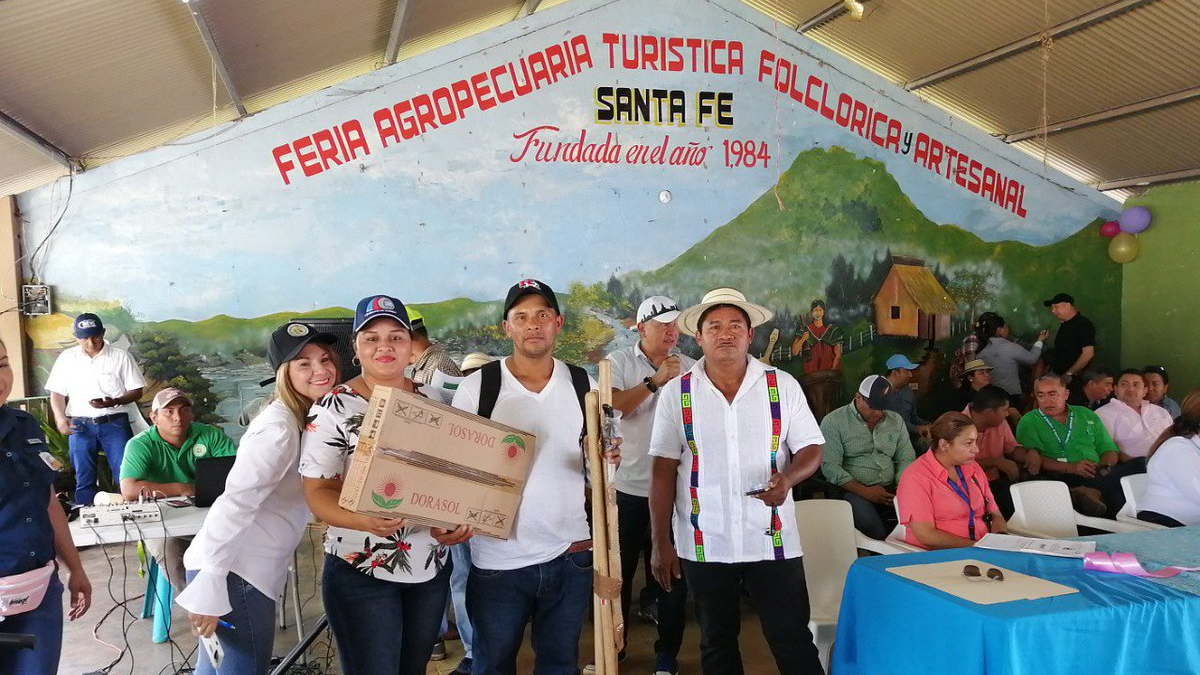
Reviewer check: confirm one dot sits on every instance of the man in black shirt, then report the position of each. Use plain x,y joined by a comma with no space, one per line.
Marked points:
1075,342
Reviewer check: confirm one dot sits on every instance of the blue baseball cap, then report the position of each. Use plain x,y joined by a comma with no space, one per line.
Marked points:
88,325
900,361
379,306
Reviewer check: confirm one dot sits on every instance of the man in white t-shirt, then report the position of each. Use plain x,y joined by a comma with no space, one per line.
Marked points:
731,438
638,372
89,386
543,572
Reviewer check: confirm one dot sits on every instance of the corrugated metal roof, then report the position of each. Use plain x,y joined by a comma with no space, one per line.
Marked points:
107,79
85,74
926,292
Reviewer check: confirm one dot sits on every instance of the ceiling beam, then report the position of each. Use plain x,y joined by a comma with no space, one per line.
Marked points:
1103,116
45,147
528,8
823,17
1028,42
215,55
1150,179
399,25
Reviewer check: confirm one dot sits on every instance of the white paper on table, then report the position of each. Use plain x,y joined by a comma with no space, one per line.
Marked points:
948,577
1056,547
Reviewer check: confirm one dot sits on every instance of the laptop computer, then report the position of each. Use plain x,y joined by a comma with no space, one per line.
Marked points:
211,473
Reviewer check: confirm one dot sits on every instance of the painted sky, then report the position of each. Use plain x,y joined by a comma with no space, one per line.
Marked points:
205,226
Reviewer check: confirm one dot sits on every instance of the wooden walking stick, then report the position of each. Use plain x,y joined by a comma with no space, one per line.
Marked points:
602,588
604,384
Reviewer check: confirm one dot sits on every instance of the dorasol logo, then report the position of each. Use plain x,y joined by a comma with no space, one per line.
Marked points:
87,323
529,283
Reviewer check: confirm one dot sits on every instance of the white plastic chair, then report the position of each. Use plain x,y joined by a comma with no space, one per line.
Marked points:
827,536
1042,508
1134,486
893,543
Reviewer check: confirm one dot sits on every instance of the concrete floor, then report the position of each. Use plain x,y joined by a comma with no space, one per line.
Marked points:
83,654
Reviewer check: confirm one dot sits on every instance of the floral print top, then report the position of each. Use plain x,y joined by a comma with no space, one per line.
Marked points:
411,555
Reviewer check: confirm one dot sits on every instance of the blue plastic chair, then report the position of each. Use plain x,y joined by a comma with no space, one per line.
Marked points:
157,601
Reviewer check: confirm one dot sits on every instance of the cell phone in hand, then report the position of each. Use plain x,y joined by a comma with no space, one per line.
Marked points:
756,490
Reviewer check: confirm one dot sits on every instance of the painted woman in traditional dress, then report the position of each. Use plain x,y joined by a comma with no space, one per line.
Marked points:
820,343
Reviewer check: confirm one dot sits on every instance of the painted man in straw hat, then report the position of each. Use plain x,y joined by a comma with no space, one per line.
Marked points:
731,438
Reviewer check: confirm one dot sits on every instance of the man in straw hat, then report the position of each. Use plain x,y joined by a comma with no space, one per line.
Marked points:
731,437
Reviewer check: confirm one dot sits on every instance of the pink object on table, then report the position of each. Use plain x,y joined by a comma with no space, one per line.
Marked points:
1127,563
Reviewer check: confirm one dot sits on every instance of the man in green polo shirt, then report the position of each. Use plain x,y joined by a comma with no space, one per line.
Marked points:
1072,445
866,449
161,462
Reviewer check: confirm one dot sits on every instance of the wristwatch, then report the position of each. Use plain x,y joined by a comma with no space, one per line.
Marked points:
650,385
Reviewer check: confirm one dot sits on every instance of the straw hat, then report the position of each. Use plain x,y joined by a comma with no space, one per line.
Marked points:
974,365
689,318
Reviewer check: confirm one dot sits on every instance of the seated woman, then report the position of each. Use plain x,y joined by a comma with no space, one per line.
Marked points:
1172,496
943,497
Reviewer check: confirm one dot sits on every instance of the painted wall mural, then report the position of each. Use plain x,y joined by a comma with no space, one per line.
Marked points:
610,152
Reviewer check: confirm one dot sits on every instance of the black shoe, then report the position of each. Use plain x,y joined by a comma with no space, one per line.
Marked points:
439,651
463,667
649,612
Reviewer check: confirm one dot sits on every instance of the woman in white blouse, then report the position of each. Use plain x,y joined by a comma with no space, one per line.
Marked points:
385,582
1172,495
237,564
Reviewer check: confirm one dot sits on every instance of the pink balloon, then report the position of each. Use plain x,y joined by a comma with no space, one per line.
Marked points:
1110,229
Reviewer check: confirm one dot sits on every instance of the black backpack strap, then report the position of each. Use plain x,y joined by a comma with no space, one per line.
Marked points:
489,388
579,380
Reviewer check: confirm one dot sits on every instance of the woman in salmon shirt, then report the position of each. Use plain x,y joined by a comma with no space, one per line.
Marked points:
943,496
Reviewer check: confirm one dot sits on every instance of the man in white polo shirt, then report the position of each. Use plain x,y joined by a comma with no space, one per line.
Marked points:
731,438
543,572
90,386
638,372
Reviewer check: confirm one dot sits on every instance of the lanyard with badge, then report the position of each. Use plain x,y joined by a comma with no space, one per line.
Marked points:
964,493
1062,442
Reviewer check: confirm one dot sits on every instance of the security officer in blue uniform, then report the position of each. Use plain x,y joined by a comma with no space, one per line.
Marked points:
33,531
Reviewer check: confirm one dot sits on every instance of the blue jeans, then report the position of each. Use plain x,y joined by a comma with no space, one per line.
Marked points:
46,623
85,443
461,555
555,595
382,626
874,520
247,647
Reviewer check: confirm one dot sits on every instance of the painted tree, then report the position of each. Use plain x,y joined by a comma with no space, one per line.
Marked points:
166,365
973,288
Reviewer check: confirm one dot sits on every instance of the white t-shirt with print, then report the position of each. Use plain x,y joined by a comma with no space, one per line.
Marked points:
411,555
551,515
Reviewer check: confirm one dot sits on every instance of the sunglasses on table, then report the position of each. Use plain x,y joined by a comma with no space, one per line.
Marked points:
973,573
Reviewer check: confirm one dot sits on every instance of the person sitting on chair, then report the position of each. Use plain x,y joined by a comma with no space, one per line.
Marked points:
1071,444
1133,422
999,455
1172,496
1157,383
944,497
161,462
866,449
1095,388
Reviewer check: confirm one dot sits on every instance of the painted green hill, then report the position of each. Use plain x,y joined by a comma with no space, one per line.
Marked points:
836,203
223,334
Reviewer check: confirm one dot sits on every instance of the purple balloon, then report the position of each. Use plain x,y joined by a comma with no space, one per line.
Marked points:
1135,219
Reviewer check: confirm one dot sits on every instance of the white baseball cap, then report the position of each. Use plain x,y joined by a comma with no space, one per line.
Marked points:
658,307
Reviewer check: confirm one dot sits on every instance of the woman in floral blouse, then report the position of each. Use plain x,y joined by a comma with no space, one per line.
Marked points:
385,582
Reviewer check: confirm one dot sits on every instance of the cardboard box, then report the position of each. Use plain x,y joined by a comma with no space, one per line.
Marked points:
436,465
